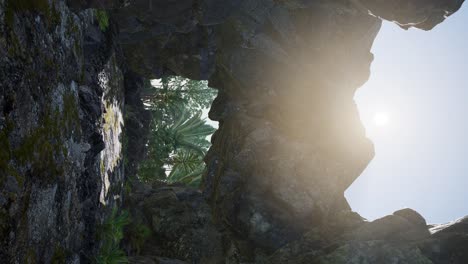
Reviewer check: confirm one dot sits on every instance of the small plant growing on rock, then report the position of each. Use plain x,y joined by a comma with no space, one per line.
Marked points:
137,235
110,234
103,19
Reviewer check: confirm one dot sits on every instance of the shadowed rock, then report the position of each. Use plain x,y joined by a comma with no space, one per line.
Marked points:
400,238
448,243
423,14
180,223
153,260
289,143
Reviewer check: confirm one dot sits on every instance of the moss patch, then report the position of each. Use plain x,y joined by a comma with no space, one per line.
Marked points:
15,47
43,148
111,121
45,144
31,256
102,167
70,115
5,154
5,147
102,19
42,7
4,225
59,256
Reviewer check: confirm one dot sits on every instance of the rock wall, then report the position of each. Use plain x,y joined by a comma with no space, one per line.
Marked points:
61,118
289,142
280,161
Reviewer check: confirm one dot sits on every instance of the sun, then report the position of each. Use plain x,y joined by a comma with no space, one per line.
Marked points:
381,119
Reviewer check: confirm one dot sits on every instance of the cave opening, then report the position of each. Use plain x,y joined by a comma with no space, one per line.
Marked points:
180,131
417,80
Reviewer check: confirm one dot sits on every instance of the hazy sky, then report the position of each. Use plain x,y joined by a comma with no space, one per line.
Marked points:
419,82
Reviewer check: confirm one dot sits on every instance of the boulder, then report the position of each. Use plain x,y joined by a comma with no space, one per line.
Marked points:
423,14
403,225
448,243
180,223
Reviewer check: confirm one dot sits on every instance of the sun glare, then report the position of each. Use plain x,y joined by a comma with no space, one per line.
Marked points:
381,119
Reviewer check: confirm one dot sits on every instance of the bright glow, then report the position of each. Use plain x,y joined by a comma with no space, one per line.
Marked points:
381,119
419,78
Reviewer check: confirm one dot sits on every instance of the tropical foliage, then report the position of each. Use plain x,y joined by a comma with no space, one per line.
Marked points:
178,140
136,235
111,232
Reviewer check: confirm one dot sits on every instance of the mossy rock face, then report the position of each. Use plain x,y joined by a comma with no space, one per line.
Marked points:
45,8
51,122
59,256
44,148
5,153
181,217
103,19
4,224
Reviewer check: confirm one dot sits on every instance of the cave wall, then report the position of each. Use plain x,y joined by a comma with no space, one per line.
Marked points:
289,142
280,161
61,118
286,74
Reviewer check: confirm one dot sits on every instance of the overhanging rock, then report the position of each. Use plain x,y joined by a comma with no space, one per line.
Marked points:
290,141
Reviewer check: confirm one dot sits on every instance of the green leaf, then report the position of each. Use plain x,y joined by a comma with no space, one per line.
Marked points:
178,140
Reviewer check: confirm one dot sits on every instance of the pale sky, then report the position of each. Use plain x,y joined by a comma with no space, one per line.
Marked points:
415,110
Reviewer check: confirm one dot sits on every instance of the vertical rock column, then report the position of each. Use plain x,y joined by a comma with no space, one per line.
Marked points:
290,140
61,104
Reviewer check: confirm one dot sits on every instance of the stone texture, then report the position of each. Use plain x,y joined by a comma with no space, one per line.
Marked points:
392,239
280,162
180,222
61,120
154,260
448,243
394,227
386,240
101,4
423,14
289,142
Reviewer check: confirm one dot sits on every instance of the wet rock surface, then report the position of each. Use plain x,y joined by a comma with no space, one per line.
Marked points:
289,143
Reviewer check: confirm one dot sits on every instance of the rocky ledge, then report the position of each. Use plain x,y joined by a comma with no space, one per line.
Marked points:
182,231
